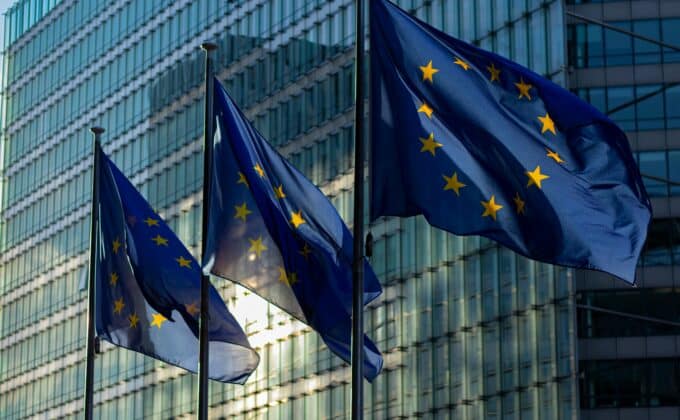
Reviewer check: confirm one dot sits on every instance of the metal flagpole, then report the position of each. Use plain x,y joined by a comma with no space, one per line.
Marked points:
205,279
358,261
89,371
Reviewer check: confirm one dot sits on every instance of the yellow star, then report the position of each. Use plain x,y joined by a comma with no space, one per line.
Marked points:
283,277
116,245
292,278
118,306
183,262
296,218
134,320
242,179
535,177
548,124
159,240
428,71
554,156
523,89
519,203
257,246
491,208
305,251
495,73
287,278
429,144
242,212
151,222
462,63
158,320
452,183
425,108
113,279
259,170
279,192
192,308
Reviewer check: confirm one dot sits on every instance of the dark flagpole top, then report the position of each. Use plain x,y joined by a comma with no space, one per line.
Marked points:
208,46
96,130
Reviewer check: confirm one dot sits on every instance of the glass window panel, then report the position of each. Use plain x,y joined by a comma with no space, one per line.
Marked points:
650,111
619,46
619,100
674,171
673,107
670,32
646,52
653,164
539,49
674,229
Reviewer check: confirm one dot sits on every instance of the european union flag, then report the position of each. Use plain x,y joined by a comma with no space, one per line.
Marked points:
147,287
481,145
272,231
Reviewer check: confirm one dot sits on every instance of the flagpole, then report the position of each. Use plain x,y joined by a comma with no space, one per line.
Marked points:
358,261
89,370
205,279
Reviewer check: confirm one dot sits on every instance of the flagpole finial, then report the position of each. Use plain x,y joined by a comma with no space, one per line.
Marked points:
208,46
96,130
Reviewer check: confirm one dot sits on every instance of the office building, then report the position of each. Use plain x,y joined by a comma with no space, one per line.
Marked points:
630,367
469,330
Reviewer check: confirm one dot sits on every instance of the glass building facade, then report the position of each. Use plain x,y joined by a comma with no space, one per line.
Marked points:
628,365
468,329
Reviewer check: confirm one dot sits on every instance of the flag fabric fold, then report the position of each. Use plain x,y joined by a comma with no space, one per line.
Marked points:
274,232
147,287
481,145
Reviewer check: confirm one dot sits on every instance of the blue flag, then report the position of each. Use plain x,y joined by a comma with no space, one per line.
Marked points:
480,145
147,287
272,231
